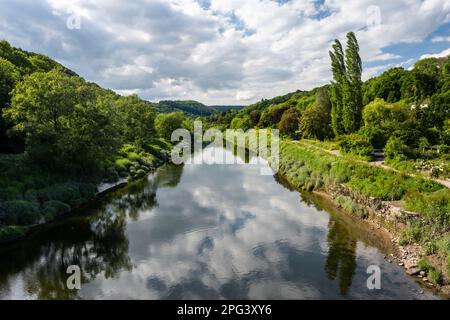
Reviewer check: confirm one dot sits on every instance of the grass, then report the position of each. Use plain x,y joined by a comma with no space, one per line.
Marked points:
352,207
307,167
432,274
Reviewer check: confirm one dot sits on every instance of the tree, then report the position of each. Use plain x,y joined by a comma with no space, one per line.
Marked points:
241,122
63,127
255,116
166,124
346,93
352,87
356,144
9,76
316,120
339,76
289,122
387,86
137,119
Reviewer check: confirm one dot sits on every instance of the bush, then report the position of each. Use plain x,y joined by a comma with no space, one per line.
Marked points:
413,233
19,212
434,276
54,209
64,192
395,149
434,207
356,144
87,190
352,207
11,232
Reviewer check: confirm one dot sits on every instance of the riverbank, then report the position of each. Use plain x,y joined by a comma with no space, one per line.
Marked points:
379,196
59,196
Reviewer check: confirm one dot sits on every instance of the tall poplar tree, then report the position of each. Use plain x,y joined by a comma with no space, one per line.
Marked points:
339,76
352,87
346,89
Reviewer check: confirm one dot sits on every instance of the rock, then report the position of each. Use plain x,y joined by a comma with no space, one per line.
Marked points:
423,273
425,279
410,264
401,264
413,271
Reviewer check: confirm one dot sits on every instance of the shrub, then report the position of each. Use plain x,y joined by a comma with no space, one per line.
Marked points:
11,232
434,276
431,248
356,144
352,207
54,209
424,265
413,233
395,149
434,207
87,190
64,192
19,212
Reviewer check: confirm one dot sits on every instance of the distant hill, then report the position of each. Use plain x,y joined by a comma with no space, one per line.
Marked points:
192,108
227,108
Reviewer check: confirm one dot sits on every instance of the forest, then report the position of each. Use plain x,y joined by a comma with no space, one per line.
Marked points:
61,136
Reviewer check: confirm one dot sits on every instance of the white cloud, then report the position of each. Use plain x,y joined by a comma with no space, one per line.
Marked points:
384,57
441,39
442,54
244,95
213,53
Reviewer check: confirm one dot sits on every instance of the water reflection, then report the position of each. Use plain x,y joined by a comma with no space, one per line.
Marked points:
341,255
215,232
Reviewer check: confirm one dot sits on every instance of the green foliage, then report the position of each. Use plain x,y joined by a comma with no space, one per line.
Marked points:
9,233
53,209
135,120
356,144
387,86
189,108
304,165
434,208
242,122
433,275
289,122
166,124
339,76
316,120
413,233
395,149
352,207
18,212
62,125
346,94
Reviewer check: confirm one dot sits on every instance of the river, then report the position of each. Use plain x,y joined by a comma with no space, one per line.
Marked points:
205,232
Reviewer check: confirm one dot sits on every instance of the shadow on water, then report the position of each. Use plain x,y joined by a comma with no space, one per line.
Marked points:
344,232
96,243
194,232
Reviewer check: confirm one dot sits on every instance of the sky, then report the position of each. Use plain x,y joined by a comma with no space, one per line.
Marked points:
230,52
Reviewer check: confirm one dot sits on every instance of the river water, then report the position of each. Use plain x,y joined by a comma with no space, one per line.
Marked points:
205,232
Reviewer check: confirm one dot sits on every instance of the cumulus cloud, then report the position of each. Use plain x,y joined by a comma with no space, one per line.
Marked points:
441,39
442,54
215,51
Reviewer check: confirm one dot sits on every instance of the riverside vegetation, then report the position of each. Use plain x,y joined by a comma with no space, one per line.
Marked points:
330,135
60,137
